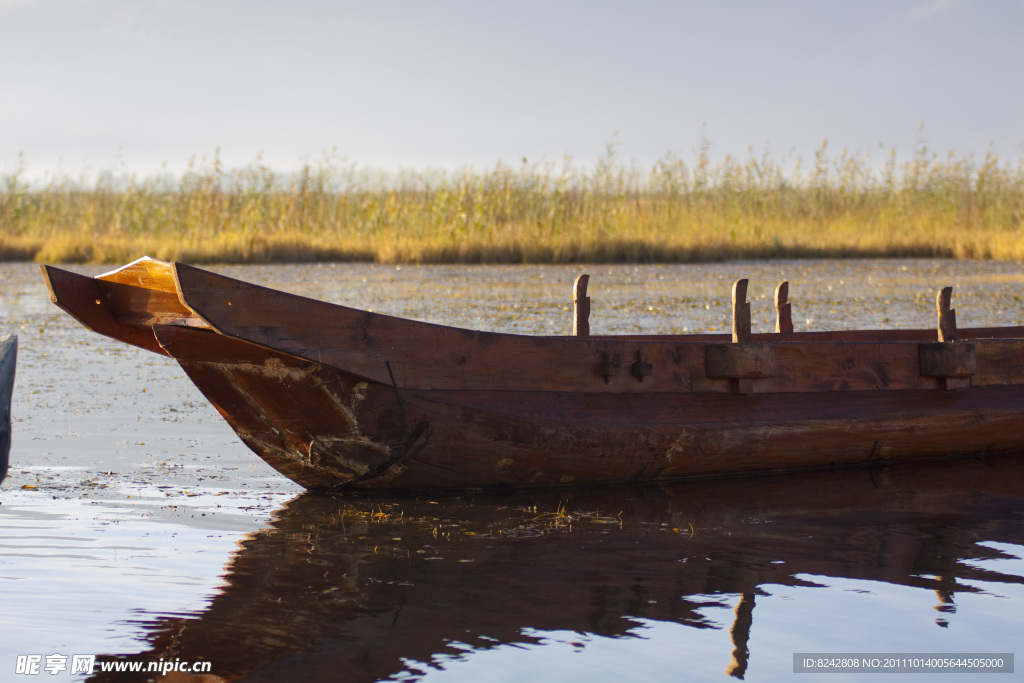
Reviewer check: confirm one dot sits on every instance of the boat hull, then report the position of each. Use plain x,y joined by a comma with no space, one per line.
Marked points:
326,428
333,397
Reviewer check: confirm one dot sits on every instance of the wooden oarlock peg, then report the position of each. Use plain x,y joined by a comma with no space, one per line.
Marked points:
953,364
947,316
783,311
740,312
581,307
741,328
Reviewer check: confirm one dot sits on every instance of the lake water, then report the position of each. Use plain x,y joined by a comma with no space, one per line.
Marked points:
136,527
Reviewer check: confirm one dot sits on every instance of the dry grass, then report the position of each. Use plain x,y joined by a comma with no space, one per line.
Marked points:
836,206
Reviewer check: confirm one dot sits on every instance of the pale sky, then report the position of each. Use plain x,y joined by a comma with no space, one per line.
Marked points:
127,84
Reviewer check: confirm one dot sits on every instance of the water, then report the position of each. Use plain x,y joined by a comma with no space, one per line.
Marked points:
136,527
697,579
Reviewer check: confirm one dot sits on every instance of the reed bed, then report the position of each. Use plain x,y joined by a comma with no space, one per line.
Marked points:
842,205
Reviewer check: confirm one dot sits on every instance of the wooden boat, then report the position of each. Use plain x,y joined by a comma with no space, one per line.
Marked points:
336,397
8,359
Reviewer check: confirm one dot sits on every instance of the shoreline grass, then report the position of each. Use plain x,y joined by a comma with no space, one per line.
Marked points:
837,206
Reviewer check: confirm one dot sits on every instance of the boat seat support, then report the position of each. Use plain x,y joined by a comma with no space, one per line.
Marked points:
742,363
953,363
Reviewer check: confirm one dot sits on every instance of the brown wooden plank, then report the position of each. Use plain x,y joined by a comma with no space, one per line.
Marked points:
950,383
430,356
999,362
145,272
559,438
81,298
870,335
851,366
426,356
136,305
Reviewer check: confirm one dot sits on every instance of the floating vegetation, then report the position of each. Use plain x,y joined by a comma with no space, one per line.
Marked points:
839,205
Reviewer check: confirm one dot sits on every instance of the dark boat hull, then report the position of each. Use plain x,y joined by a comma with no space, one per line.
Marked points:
332,397
323,428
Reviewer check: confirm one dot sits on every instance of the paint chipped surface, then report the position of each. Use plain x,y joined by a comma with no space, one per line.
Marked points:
303,418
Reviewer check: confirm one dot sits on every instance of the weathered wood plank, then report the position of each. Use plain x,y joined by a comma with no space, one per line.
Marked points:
950,383
426,356
998,362
888,335
758,430
81,298
752,360
947,359
145,272
133,305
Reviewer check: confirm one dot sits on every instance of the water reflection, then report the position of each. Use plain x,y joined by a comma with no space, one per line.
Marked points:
365,588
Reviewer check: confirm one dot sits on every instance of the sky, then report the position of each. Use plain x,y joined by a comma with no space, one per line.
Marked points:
143,86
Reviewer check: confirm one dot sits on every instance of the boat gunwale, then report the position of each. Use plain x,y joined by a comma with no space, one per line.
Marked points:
986,332
839,336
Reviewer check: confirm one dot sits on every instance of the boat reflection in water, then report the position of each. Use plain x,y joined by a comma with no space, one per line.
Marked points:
366,588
